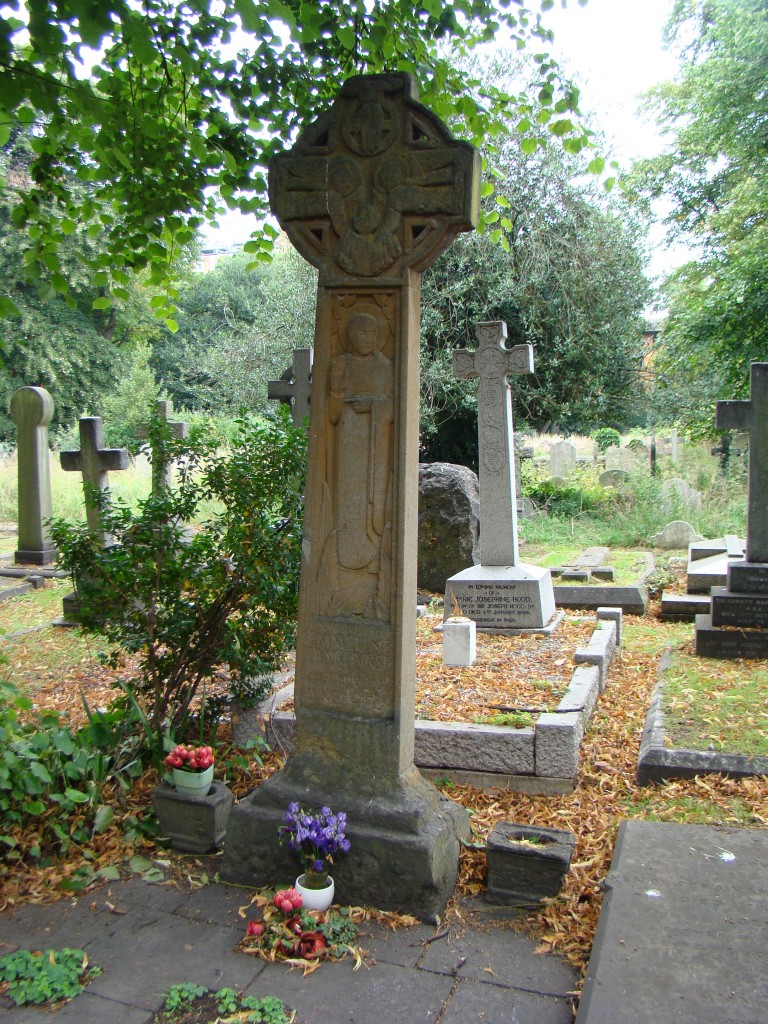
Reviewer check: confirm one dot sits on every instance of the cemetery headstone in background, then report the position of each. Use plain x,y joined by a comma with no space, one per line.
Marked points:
371,193
295,385
562,459
743,602
32,409
500,593
161,467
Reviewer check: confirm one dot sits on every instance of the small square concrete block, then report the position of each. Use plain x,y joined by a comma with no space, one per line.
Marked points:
194,824
526,863
605,573
557,744
616,615
459,642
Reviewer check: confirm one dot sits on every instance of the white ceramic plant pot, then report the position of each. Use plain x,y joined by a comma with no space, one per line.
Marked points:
315,899
192,783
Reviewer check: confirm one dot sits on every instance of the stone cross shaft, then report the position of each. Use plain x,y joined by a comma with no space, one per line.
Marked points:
371,193
95,462
491,362
752,415
161,467
32,409
295,386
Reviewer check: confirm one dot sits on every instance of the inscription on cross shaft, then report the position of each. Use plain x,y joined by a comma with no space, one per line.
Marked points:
95,462
492,362
295,386
752,415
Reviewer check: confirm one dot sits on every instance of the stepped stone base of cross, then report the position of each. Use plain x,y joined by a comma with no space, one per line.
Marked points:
738,624
503,598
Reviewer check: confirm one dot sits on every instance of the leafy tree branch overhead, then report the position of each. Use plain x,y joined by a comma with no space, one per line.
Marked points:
155,109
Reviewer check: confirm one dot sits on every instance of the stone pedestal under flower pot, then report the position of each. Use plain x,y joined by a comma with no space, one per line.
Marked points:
526,863
194,824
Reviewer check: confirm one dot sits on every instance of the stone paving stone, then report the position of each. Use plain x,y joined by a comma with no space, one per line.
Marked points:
135,891
509,955
84,1009
52,927
403,946
383,994
164,950
220,904
490,1004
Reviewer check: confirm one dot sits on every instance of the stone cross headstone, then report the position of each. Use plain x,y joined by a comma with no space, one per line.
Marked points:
371,193
161,467
295,386
743,602
491,362
500,594
32,410
562,459
95,462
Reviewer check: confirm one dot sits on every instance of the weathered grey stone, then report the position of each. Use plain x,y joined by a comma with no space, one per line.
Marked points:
526,863
605,573
194,824
562,459
715,642
632,600
612,615
14,590
684,607
558,738
485,748
449,520
677,534
355,656
31,411
504,597
95,462
294,388
622,459
747,577
161,466
591,558
677,492
600,649
582,692
739,609
613,478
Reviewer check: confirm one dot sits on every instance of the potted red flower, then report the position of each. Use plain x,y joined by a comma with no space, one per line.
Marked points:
191,769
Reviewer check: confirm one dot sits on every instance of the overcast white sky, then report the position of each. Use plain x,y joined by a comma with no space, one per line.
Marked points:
614,50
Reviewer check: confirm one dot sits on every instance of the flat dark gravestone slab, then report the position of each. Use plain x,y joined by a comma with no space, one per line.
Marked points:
683,930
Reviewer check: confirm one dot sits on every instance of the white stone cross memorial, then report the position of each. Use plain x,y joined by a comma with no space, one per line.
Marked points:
295,386
161,467
32,409
501,594
95,462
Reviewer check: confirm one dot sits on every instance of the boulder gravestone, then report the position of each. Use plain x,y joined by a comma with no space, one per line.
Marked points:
449,521
371,194
32,410
743,602
500,593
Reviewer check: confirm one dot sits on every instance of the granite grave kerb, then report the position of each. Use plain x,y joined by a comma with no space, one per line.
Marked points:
371,193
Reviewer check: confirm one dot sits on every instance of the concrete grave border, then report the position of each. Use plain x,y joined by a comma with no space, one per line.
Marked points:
657,762
542,758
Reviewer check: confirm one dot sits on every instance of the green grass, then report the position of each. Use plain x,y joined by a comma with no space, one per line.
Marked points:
716,705
37,608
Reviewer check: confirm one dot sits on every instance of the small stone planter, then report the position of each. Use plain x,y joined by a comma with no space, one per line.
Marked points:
526,863
194,824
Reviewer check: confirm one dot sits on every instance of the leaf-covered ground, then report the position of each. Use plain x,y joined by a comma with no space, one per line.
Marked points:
59,671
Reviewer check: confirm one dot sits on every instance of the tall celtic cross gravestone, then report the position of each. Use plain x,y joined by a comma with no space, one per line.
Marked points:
161,466
95,462
501,593
295,386
371,194
32,410
743,602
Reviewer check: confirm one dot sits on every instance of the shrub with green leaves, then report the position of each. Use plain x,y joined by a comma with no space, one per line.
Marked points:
605,437
183,600
48,977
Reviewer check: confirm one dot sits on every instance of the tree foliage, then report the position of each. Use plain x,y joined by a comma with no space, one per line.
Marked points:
162,107
568,278
714,175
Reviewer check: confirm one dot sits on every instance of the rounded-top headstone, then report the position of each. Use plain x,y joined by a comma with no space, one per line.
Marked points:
31,407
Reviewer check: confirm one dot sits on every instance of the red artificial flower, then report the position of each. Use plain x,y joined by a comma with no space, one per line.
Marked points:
311,945
255,928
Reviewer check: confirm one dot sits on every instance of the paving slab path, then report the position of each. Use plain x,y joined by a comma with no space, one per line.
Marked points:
683,930
148,937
